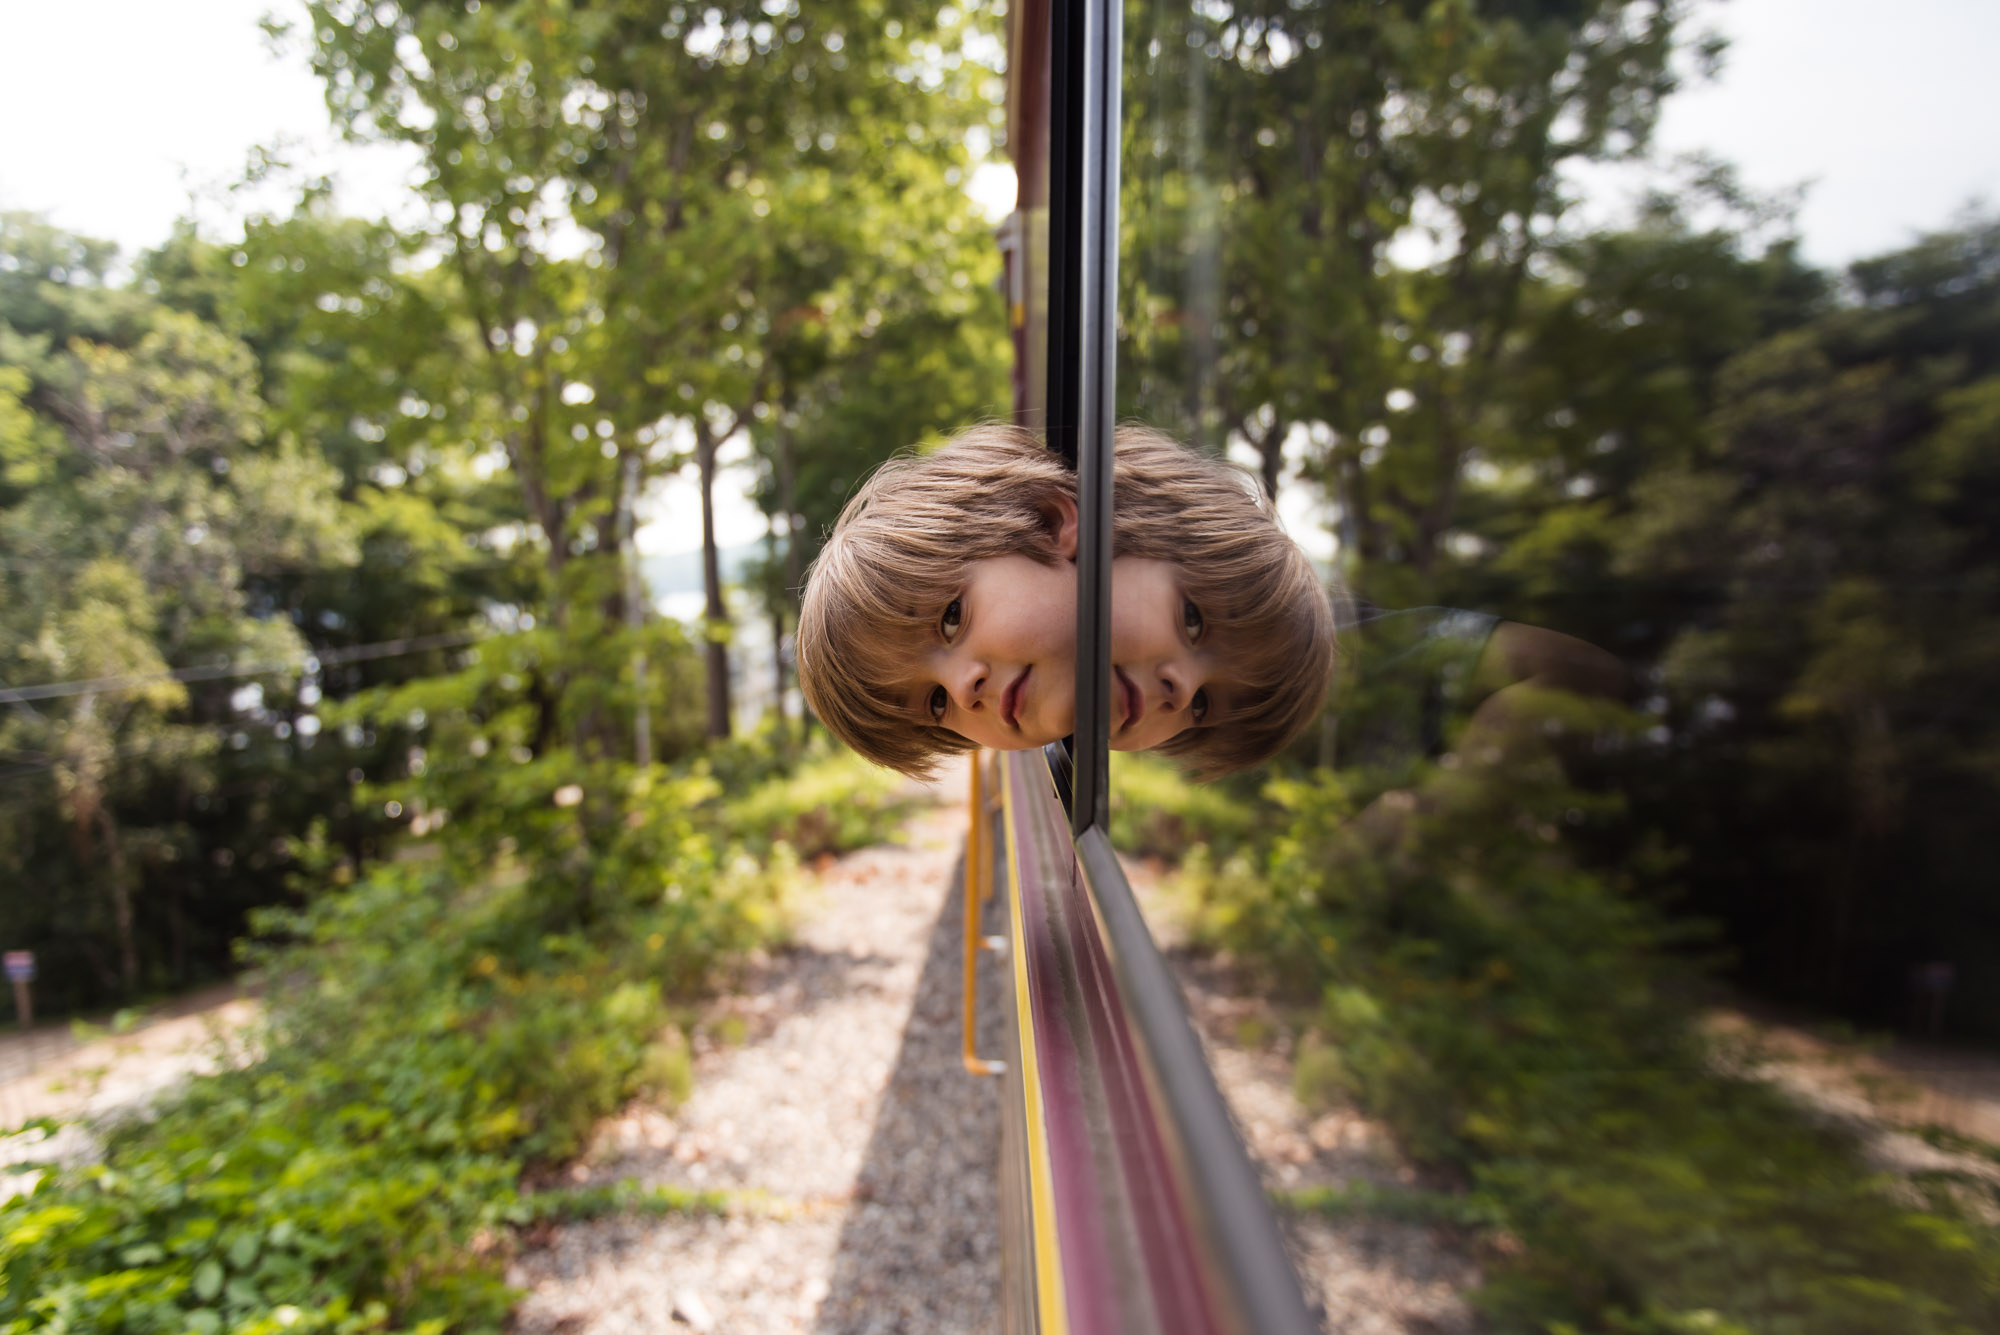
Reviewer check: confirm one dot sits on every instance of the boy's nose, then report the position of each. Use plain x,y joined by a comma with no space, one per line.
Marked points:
968,684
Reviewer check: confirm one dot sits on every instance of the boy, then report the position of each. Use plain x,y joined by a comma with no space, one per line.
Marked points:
941,614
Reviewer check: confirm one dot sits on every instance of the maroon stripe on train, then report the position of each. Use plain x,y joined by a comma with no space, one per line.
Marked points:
1167,1238
1130,1256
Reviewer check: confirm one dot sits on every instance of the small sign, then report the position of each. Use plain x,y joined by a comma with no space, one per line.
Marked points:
20,966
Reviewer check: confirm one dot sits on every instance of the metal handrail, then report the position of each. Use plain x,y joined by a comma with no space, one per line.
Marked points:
1253,1278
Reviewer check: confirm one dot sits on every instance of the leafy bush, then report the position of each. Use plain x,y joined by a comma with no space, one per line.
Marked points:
429,1031
628,1197
833,802
1515,1016
666,1071
1156,811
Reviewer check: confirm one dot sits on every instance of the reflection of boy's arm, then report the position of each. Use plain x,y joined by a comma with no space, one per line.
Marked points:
1519,669
1523,673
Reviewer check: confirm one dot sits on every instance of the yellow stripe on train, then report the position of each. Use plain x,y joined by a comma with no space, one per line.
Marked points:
1051,1309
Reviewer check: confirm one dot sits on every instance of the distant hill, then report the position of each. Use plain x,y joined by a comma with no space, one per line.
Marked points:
668,573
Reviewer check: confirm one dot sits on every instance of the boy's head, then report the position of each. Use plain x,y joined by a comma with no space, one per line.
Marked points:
874,612
941,614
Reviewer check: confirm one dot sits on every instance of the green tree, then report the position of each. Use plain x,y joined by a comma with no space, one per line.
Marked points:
899,338
1831,539
240,456
621,192
148,507
1769,492
1332,215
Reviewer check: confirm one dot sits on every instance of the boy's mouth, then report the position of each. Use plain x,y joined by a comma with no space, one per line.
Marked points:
1129,695
1010,702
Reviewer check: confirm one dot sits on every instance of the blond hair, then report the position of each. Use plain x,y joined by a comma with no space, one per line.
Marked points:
900,549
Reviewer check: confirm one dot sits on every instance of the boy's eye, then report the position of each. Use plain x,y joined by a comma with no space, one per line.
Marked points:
1191,619
939,700
1198,707
948,623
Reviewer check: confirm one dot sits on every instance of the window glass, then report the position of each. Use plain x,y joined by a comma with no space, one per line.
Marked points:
1631,372
1024,236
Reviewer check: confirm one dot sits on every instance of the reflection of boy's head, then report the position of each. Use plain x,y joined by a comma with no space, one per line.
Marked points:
902,549
1250,605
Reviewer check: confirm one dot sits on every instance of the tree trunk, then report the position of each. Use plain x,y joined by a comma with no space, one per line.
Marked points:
777,610
635,613
121,902
787,479
715,615
1270,446
177,903
177,933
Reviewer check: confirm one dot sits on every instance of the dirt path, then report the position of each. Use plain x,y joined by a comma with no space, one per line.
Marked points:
1913,1108
52,1071
865,1154
55,1070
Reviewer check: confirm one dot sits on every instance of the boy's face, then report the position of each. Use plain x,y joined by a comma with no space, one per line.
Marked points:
1000,669
1000,665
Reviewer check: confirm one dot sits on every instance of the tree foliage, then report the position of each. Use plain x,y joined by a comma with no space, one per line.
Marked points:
338,450
1351,242
1331,214
654,211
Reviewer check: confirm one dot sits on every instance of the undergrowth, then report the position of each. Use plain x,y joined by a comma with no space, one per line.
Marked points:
1157,812
431,1029
835,802
1517,1017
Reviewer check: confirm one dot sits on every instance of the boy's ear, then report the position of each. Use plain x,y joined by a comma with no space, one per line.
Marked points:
1063,527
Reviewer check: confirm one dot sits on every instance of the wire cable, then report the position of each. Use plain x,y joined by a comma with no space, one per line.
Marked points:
311,660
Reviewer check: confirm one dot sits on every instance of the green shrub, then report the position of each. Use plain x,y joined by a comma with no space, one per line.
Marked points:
832,803
1415,1205
1156,811
626,1196
1319,1076
1514,1016
429,1030
666,1071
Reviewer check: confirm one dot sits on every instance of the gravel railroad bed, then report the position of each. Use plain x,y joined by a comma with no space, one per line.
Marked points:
867,1157
844,1107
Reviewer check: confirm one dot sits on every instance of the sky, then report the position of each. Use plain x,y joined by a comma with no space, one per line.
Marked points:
120,111
1884,112
125,115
